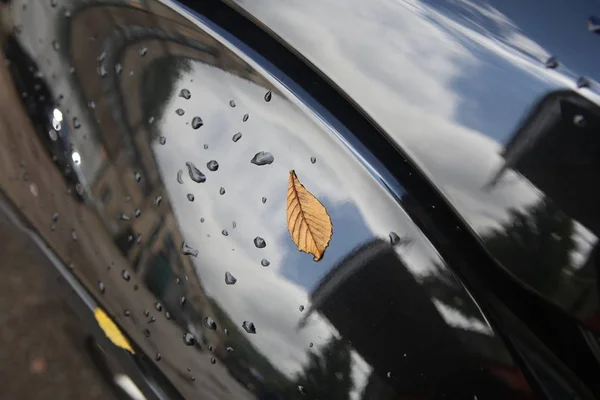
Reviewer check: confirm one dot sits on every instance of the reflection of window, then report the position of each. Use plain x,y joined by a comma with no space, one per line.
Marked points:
159,274
105,195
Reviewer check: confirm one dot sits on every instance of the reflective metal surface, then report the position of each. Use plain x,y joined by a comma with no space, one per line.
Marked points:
457,84
114,116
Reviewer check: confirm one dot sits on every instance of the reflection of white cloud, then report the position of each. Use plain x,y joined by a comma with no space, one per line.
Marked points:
458,320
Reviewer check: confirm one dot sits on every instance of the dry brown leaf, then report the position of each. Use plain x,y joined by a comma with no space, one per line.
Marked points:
111,330
307,219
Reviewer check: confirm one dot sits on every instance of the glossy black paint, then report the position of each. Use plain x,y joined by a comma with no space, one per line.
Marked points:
375,319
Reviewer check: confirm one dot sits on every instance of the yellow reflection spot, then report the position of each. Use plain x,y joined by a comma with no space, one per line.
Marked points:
111,330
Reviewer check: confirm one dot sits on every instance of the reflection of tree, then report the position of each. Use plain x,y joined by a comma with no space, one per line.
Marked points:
535,245
326,376
159,81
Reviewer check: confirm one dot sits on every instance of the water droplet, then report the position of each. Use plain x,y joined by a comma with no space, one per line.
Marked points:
55,45
231,103
158,307
147,332
264,262
245,117
146,313
236,137
157,357
264,200
197,122
182,301
190,197
202,220
167,315
157,200
205,146
234,224
102,70
53,135
92,104
583,82
260,242
394,238
230,279
152,320
126,275
224,232
311,344
301,390
268,96
76,123
579,121
162,140
212,360
313,160
180,177
389,374
187,250
262,158
143,51
118,68
185,94
222,191
126,313
249,327
74,235
137,213
551,63
189,339
55,217
135,287
192,378
101,287
150,120
179,111
210,323
212,165
195,173
226,331
138,177
301,308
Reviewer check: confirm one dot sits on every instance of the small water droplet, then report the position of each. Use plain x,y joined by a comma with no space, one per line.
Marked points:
579,121
147,332
127,313
152,320
311,344
551,62
264,262
233,224
137,213
301,308
195,173
76,123
229,349
135,287
212,360
146,313
264,200
190,197
118,68
222,191
231,103
262,158
55,45
138,177
102,70
210,323
74,235
179,111
249,327
157,357
182,301
143,51
205,146
53,135
185,94
224,232
126,275
245,117
230,279
187,250
197,122
180,177
268,96
162,140
189,339
101,287
92,104
202,220
394,238
313,160
150,120
192,378
236,137
226,331
389,374
301,390
260,242
583,82
55,217
157,200
212,165
167,315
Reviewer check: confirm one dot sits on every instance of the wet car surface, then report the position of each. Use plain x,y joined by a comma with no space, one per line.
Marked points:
147,151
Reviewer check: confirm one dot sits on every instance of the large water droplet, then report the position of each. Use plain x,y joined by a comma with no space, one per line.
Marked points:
268,96
190,197
101,287
231,103
262,158
212,165
230,279
313,160
264,262
126,275
180,177
188,250
185,94
162,140
394,238
179,111
260,242
236,137
195,173
210,323
189,339
249,327
197,122
224,232
222,191
245,117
